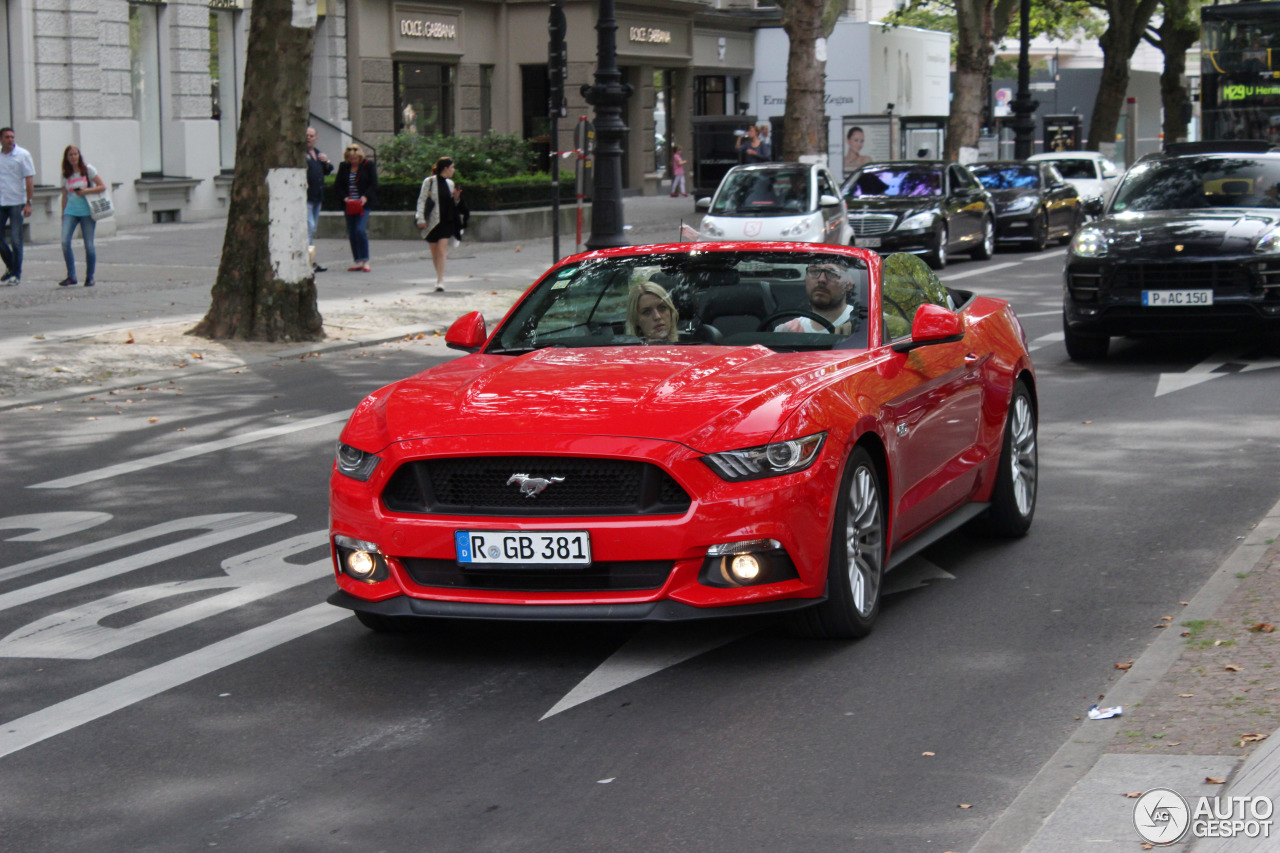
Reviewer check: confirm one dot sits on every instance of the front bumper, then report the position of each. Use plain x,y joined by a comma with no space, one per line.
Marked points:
794,510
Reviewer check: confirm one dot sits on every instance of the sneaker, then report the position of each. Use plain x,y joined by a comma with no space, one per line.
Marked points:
439,288
14,281
67,282
318,268
89,282
7,277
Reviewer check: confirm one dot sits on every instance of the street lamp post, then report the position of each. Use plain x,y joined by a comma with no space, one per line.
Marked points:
1024,127
608,96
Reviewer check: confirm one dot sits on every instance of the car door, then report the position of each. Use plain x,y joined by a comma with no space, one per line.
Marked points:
964,207
934,400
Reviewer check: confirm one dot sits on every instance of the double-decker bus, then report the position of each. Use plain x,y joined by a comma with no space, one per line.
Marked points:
1240,71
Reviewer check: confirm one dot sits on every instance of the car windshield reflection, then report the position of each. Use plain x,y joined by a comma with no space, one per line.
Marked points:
766,192
1191,183
895,181
781,300
1008,177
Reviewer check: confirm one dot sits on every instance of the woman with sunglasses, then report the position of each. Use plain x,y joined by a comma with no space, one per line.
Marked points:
356,183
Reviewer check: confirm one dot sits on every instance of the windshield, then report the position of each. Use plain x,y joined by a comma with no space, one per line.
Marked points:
895,181
1007,177
1075,169
764,192
782,300
1196,182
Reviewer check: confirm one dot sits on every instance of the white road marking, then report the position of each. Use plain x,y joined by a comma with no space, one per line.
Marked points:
1055,312
47,722
653,649
221,529
189,452
77,633
914,574
1208,369
1045,340
980,271
51,525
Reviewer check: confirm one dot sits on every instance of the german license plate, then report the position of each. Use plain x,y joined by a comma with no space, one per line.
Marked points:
866,242
1176,298
523,547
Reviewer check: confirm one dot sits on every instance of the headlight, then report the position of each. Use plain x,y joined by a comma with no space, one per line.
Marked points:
710,229
1021,205
1089,242
769,460
1269,243
355,463
804,226
919,222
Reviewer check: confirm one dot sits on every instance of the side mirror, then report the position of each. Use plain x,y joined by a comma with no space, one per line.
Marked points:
702,204
827,200
1093,206
933,324
467,333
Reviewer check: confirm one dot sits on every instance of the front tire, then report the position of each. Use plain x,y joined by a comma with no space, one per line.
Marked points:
1040,232
855,568
937,256
1013,500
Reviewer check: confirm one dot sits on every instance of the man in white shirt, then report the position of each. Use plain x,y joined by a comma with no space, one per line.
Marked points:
17,189
828,285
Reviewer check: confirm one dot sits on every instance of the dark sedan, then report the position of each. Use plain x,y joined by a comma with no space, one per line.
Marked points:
925,207
1033,203
1189,244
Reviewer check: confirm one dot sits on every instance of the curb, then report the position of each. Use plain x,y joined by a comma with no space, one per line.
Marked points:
1048,790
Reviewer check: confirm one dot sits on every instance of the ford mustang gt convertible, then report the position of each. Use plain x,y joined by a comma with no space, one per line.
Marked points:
688,431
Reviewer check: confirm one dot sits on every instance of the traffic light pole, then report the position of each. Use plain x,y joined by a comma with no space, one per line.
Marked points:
557,68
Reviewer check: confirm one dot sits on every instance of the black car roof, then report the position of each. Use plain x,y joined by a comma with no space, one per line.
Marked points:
1218,146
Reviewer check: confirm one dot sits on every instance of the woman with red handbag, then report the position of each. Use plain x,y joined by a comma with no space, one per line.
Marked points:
356,182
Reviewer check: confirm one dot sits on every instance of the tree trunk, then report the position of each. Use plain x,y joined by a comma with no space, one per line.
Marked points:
265,290
1178,32
973,75
803,125
1127,20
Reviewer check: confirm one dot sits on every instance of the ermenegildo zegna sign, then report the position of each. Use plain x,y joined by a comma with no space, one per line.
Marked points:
424,29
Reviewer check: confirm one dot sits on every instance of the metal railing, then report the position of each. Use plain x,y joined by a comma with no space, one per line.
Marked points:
346,133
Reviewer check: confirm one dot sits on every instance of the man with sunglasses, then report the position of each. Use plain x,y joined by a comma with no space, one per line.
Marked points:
828,286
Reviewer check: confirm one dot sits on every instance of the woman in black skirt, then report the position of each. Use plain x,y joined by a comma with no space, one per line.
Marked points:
438,213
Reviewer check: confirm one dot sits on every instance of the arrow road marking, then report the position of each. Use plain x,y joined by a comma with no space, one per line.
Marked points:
188,452
1211,368
51,525
658,647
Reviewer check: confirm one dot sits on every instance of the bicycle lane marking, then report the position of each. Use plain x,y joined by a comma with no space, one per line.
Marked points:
188,452
74,712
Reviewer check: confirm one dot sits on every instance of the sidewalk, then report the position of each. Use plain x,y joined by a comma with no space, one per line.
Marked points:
154,283
1201,710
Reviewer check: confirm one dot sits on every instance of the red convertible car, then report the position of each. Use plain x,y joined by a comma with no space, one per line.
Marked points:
688,431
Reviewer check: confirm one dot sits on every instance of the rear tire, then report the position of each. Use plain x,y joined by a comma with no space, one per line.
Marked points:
1013,500
855,567
987,247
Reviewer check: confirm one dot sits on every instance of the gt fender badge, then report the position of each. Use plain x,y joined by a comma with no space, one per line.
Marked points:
531,487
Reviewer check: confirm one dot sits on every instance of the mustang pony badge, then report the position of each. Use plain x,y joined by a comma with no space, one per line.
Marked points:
531,487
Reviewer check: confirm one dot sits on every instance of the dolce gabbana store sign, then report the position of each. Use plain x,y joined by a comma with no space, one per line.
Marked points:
655,37
425,29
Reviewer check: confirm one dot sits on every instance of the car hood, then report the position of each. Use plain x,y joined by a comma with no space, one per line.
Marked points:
1004,197
708,398
1170,234
762,227
903,207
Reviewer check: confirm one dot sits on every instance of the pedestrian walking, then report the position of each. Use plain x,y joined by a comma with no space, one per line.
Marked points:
356,184
441,213
318,166
766,147
79,180
677,172
17,189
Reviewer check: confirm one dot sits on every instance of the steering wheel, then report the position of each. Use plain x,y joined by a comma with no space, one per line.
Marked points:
768,323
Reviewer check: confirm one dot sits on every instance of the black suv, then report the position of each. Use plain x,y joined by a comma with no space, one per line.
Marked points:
1189,243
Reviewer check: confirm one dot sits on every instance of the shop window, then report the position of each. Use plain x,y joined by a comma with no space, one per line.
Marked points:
144,62
535,123
662,90
715,96
424,98
224,80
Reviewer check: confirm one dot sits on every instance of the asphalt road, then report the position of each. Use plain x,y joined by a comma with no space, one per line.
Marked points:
171,679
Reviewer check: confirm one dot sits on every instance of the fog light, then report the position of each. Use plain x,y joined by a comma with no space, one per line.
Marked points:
361,565
745,568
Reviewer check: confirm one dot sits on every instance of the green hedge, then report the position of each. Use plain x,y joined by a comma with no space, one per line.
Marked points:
409,157
499,194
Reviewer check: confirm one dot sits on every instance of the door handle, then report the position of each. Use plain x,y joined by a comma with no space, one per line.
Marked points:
971,359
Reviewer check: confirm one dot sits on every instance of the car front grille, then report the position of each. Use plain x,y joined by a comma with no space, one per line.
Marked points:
1224,279
484,485
871,224
598,577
